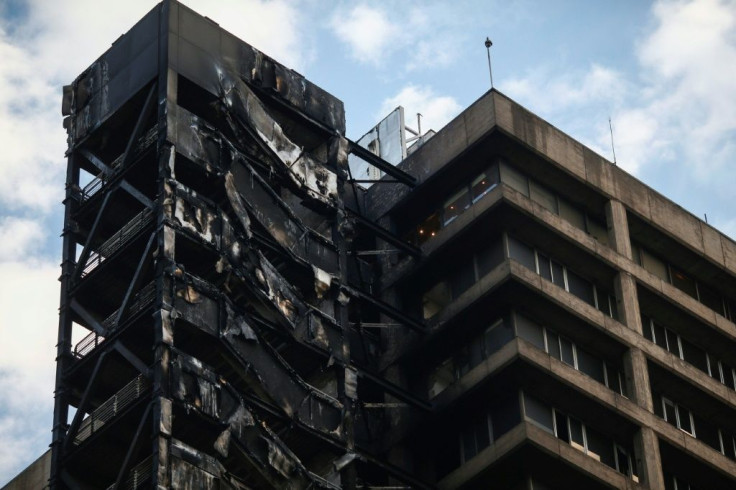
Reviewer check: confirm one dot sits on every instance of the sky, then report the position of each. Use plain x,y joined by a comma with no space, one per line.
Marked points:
663,71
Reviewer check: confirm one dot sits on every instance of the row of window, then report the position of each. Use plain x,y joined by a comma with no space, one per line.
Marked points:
470,355
699,427
466,273
579,435
477,187
687,351
567,351
672,482
669,273
478,431
501,332
562,276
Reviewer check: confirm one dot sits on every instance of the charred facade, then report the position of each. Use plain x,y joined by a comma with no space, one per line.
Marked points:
502,309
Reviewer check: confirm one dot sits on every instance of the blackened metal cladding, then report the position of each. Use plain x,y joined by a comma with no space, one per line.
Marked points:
250,195
201,389
261,363
310,176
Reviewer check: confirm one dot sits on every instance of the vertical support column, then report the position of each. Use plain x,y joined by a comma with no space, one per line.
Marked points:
646,445
164,256
63,346
346,377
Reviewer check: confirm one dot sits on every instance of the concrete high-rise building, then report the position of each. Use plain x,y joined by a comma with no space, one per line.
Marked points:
504,308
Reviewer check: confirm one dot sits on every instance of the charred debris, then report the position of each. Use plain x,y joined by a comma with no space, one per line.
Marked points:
217,257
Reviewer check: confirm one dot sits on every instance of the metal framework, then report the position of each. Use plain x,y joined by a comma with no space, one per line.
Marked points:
224,285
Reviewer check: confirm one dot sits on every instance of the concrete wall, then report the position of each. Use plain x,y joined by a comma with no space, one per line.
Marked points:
34,477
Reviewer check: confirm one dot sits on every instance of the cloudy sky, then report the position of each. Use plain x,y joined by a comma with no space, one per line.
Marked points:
663,71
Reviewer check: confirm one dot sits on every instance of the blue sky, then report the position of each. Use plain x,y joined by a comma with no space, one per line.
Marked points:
663,71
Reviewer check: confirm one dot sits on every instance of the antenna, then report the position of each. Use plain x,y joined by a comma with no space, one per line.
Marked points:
419,124
488,49
613,149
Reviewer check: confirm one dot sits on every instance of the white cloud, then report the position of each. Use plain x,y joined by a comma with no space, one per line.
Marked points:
411,39
29,296
19,236
368,32
436,110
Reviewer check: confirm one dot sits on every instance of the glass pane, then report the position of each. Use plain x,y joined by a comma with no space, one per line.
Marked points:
505,415
497,336
576,434
428,228
462,278
558,276
613,376
580,287
528,330
710,298
684,419
707,432
455,206
591,365
514,179
476,351
490,257
647,328
482,438
660,338
729,447
672,344
604,301
542,196
624,463
553,344
694,355
600,447
669,412
728,375
462,361
572,214
469,447
683,282
654,265
544,267
563,432
481,185
566,350
522,253
538,412
436,299
598,231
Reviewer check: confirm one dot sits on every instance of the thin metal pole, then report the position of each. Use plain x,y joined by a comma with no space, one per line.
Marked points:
488,50
613,149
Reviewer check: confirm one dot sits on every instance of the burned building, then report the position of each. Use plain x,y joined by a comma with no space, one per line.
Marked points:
503,308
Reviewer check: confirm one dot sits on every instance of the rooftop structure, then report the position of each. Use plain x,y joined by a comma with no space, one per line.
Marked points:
503,308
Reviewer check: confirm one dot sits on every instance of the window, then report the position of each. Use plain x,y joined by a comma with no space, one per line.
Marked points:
428,228
539,413
522,253
514,179
455,206
683,282
542,196
476,437
482,184
678,416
